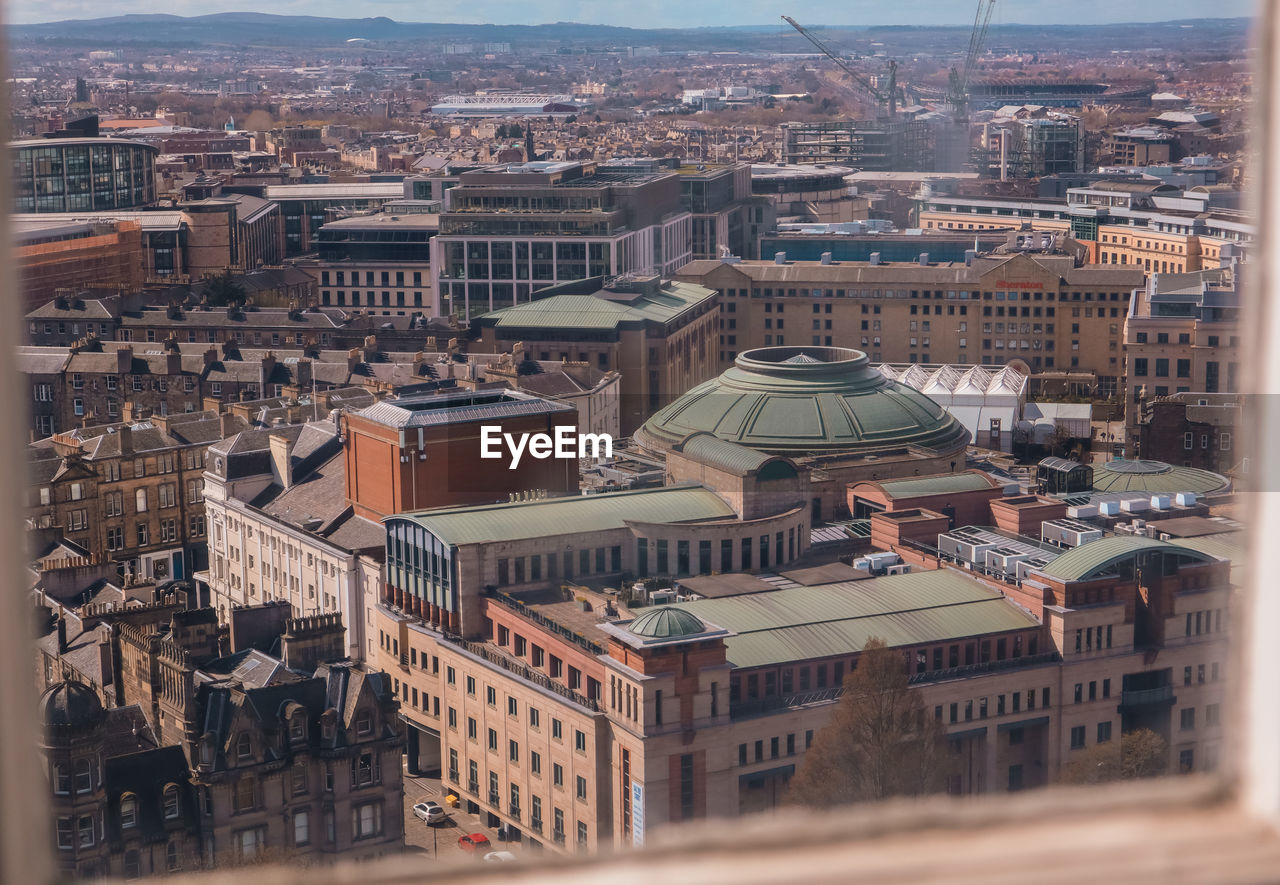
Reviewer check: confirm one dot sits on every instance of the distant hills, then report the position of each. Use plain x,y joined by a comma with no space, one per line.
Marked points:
249,28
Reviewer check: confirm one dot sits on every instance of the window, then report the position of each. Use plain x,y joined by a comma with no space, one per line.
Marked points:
535,762
1104,732
513,751
242,799
244,748
128,811
366,820
84,777
171,805
61,780
301,828
557,774
580,741
1187,718
66,833
86,831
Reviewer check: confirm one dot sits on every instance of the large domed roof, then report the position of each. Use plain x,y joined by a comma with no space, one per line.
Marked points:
667,623
806,400
70,704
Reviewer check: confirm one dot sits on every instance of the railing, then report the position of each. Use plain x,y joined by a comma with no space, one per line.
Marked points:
515,667
988,667
535,824
514,812
745,709
494,800
510,602
473,787
454,777
1137,697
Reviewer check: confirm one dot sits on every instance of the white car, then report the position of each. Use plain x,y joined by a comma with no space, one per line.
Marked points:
499,856
430,812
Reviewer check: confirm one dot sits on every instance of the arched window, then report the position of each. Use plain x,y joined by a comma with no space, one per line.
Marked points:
61,780
128,811
84,776
244,748
172,804
298,726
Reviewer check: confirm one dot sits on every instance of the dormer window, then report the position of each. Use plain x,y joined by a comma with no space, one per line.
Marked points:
364,724
298,727
244,749
171,805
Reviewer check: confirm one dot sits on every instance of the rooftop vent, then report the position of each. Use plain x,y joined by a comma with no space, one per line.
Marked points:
826,258
779,257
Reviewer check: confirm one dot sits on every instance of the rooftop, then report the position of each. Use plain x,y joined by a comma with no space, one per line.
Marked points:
433,410
1097,558
550,517
839,619
604,309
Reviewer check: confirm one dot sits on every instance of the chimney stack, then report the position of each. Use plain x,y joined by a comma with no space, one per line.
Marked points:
124,360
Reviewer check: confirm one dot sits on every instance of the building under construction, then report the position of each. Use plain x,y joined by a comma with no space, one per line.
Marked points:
901,144
1031,143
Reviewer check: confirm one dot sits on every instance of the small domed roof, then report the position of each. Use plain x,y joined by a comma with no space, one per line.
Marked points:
1156,477
667,622
70,704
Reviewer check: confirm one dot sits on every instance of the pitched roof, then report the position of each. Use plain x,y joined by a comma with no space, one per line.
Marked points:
583,514
839,619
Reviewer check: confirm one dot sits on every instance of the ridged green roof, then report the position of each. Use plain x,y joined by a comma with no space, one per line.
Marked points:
724,455
596,312
967,481
1155,477
1097,557
806,400
839,619
580,514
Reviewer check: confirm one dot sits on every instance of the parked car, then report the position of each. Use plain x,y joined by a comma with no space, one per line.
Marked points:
499,856
431,812
474,842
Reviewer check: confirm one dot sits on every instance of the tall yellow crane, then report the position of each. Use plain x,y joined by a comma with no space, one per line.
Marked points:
886,99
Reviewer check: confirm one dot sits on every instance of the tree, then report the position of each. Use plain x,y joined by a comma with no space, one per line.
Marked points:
224,291
878,744
1139,753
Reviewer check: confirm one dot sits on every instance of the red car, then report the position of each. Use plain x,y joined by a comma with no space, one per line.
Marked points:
476,842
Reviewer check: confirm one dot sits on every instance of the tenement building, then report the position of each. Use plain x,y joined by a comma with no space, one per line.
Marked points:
1036,300
222,746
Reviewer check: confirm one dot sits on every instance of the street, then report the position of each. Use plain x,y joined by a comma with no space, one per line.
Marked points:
440,841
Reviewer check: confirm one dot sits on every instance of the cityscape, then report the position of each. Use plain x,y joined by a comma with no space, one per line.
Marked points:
470,443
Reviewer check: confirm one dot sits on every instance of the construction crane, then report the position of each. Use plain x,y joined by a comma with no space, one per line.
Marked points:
958,88
884,98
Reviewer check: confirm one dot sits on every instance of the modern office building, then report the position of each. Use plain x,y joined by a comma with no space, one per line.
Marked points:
82,174
902,144
381,260
1158,227
308,207
511,230
815,193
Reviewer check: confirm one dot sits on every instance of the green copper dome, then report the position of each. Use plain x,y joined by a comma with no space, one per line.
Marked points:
667,623
807,400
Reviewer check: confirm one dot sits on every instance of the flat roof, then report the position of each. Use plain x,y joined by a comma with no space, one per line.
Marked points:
579,515
335,191
839,619
439,409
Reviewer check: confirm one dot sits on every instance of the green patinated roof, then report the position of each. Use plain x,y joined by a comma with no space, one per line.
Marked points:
938,485
1096,557
593,312
666,623
1155,477
722,454
581,514
839,619
832,401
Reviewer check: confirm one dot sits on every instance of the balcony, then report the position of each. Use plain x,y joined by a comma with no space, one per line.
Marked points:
494,800
1161,696
473,787
453,775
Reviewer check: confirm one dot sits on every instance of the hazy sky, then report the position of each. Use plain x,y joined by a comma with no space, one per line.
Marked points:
660,13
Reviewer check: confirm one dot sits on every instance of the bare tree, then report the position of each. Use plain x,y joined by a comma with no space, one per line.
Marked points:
1139,753
879,743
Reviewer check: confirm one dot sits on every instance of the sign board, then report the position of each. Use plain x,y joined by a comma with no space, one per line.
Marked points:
637,813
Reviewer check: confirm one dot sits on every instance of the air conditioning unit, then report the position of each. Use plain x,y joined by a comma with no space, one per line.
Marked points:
901,568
